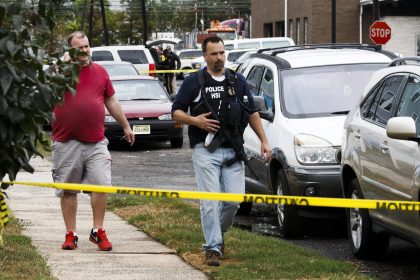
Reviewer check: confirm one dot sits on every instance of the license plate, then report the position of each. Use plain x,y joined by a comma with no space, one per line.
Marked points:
141,129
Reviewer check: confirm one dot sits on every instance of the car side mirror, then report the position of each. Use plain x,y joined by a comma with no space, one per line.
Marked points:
402,128
260,106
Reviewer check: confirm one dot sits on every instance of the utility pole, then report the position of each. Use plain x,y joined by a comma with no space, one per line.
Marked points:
333,21
83,17
143,14
104,23
90,22
376,14
286,21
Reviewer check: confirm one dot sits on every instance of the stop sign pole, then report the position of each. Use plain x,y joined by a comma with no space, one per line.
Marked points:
380,32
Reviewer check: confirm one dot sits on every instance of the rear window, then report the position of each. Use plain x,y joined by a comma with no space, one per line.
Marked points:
255,45
275,44
133,56
102,56
190,54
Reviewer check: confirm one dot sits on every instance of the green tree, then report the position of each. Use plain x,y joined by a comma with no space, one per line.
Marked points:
27,93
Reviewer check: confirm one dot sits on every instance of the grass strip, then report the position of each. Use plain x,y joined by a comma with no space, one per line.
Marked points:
176,224
18,258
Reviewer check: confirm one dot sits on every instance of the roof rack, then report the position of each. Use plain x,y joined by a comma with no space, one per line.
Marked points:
329,46
403,60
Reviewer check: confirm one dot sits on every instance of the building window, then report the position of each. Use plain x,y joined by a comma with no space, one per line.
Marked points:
298,31
290,35
305,30
268,29
279,29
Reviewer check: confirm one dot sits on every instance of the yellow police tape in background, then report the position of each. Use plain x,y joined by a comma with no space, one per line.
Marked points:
268,199
4,215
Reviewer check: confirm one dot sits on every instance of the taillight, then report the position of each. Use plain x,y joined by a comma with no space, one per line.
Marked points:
152,69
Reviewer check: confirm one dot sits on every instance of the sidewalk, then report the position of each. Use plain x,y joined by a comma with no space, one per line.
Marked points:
134,256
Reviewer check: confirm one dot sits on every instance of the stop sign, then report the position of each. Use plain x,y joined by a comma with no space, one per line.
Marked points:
380,32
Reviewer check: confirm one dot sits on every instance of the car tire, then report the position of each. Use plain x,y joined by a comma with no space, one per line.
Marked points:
364,243
244,208
177,142
290,224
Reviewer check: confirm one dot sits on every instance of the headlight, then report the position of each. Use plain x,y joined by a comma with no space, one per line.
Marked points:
312,150
166,117
109,119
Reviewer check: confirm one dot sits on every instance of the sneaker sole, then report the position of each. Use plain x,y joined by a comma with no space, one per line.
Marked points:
68,247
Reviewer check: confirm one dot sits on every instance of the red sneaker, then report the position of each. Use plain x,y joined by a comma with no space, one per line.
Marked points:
100,239
71,241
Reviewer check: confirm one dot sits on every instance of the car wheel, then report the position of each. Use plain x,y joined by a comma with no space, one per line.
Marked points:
244,208
177,142
290,224
364,243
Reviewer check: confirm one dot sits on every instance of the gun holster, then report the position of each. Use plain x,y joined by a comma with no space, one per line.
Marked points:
215,143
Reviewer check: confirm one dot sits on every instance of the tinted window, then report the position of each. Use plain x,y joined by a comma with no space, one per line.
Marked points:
133,56
102,56
410,101
366,105
386,99
254,78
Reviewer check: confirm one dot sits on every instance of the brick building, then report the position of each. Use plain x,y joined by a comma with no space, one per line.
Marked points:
310,21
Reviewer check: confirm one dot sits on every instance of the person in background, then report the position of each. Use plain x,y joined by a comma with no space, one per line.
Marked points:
217,168
79,148
173,64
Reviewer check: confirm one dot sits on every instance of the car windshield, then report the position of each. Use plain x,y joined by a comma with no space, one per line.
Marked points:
121,70
139,90
233,56
322,91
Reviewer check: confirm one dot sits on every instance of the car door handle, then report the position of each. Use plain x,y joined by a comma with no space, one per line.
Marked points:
357,134
384,146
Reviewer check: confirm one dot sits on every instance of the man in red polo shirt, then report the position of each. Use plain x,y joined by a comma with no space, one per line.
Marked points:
79,149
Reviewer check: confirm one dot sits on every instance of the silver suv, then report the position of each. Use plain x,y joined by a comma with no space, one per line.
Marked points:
307,92
381,159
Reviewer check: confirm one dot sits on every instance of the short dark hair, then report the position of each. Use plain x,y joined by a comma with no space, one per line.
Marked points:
77,34
213,39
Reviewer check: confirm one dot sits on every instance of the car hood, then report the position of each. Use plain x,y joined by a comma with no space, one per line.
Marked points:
328,128
145,108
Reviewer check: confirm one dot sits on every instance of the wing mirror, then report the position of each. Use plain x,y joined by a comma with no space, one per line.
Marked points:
402,128
262,108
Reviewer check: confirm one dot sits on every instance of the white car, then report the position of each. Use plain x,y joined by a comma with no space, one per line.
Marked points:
231,57
306,93
139,56
381,159
186,56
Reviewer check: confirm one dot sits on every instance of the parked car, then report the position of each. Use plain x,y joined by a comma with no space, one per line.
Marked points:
139,56
147,106
306,93
381,159
258,43
186,56
231,57
119,68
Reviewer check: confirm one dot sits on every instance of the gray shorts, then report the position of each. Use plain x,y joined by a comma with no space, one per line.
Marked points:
80,162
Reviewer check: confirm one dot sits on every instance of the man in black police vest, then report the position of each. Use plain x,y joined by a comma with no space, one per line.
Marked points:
221,106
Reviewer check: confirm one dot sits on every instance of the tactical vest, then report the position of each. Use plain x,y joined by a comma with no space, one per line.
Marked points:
234,111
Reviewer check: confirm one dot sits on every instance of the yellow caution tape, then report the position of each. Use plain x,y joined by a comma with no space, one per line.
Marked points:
4,215
268,199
